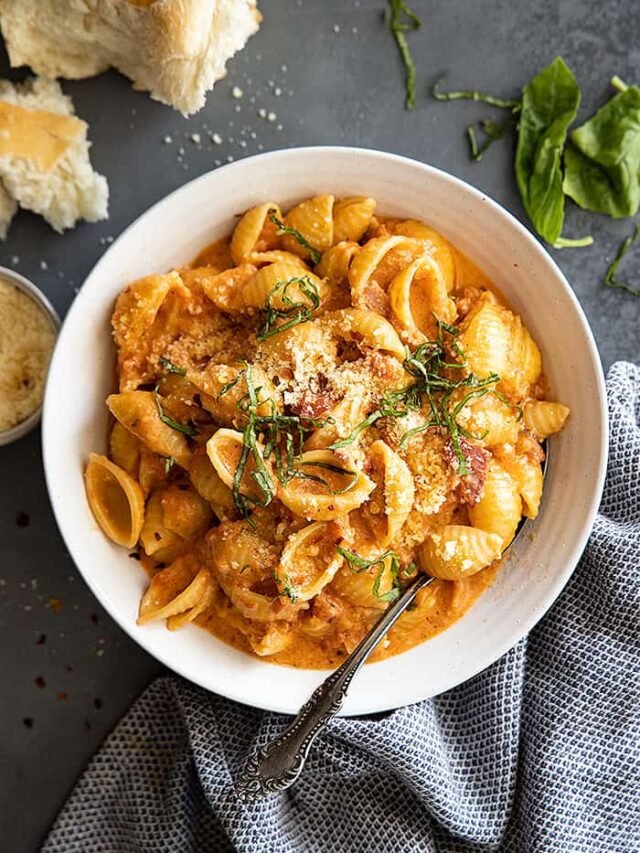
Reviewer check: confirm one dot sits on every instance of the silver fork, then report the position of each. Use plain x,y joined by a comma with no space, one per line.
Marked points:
278,764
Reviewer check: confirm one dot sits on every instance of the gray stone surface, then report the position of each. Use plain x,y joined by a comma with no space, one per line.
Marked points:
340,82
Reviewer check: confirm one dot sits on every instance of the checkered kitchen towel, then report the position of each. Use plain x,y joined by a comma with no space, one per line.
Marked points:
541,752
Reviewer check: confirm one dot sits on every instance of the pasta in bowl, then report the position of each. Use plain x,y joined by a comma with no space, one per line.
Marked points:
321,404
160,248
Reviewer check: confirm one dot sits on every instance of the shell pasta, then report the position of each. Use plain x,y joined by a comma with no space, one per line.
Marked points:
319,406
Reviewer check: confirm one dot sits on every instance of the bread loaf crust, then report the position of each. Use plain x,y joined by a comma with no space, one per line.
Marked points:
175,49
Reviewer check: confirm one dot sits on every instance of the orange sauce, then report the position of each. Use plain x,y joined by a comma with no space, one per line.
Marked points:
319,641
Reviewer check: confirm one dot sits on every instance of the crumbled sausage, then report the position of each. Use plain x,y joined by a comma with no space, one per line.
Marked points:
470,487
312,404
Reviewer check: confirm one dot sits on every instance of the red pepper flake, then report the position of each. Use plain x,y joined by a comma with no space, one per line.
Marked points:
94,618
40,682
22,519
28,722
54,604
61,696
42,639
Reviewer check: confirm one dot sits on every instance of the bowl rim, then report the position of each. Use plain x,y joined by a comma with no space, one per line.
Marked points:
24,427
570,560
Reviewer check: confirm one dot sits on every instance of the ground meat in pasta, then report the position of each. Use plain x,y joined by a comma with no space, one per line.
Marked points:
469,489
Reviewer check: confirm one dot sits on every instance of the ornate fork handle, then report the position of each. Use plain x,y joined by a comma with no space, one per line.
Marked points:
278,764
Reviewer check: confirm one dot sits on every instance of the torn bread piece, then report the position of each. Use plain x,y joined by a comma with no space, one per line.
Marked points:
44,157
175,49
8,208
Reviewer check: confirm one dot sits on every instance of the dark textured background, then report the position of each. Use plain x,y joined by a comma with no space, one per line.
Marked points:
65,666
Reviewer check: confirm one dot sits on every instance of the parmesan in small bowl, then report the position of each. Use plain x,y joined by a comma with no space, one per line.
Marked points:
28,330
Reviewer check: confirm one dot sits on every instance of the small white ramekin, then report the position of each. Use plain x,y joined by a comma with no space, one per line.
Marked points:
21,429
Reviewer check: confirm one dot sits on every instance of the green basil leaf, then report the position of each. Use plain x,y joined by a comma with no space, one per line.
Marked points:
549,105
183,428
602,166
170,367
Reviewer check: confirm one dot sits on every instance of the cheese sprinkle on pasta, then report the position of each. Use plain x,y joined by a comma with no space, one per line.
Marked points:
27,336
339,401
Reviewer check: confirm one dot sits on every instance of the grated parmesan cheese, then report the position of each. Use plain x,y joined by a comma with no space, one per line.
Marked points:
27,336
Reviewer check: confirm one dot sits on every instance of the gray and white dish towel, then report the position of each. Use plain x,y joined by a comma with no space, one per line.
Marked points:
540,752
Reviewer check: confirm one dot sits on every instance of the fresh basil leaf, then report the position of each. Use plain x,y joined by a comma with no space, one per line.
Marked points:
549,105
602,165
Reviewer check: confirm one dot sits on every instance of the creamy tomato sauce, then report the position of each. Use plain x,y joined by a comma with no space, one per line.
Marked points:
309,415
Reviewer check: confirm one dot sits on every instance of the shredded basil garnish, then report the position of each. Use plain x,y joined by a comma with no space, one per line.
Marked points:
169,462
402,19
502,103
304,475
292,232
226,388
293,312
170,367
183,428
358,564
429,364
492,131
282,437
288,587
610,278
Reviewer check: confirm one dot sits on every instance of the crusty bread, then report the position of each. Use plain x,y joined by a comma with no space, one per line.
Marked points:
175,49
44,157
8,208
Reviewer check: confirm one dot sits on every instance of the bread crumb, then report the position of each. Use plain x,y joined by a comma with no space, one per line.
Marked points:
196,138
168,140
237,92
216,138
272,116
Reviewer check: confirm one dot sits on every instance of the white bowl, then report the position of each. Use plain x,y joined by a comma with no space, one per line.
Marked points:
170,234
